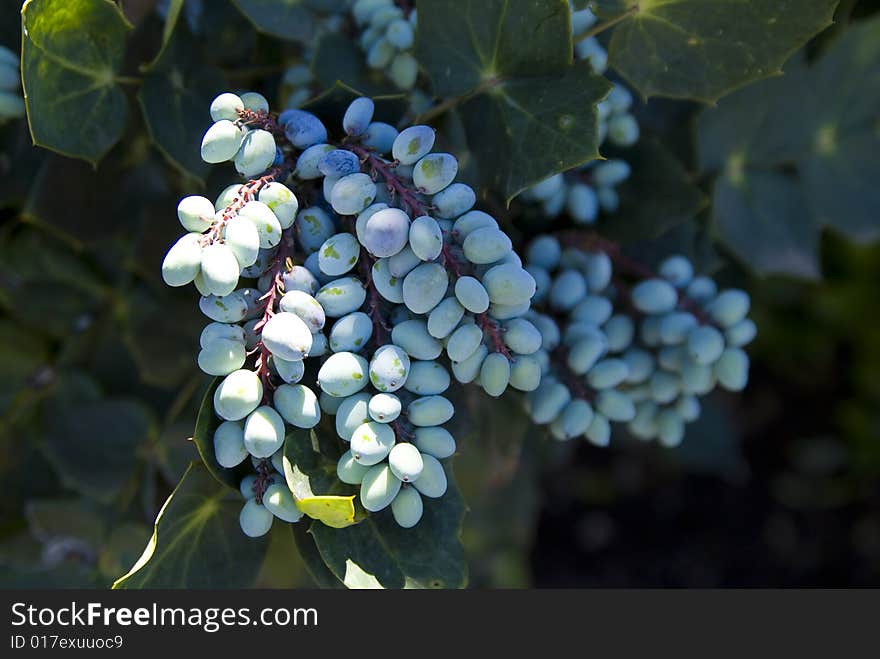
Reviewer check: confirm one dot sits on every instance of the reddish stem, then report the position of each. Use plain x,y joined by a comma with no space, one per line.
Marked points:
495,332
264,474
575,383
247,192
381,332
269,301
265,120
381,167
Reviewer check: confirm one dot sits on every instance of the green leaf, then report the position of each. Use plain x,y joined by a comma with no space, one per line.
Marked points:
54,519
174,99
527,112
203,437
197,542
71,54
797,154
338,58
308,552
174,9
377,553
93,442
312,478
330,106
658,195
702,50
285,19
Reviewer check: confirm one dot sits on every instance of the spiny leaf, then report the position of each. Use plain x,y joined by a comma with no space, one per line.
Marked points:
72,51
702,50
196,538
527,112
377,553
797,154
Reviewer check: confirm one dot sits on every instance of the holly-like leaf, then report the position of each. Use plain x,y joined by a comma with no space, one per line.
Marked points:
286,19
796,154
377,553
658,195
339,59
93,442
311,477
174,99
311,558
72,51
197,542
527,112
703,49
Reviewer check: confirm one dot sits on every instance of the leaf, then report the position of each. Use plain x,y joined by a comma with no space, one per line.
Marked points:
197,542
72,51
330,106
797,154
308,552
312,479
174,99
377,553
658,195
527,112
703,50
285,19
92,442
171,17
59,519
339,59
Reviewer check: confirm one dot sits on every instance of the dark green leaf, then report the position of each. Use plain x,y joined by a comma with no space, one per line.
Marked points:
464,43
658,195
174,9
703,50
797,154
72,52
339,59
175,98
377,553
308,552
93,443
197,542
524,130
285,19
311,476
330,106
526,111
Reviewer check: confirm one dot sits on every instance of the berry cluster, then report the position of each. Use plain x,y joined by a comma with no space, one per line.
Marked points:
636,353
387,268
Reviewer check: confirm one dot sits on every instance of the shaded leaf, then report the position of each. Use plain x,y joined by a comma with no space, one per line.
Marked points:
196,538
798,154
94,443
308,552
312,478
658,195
377,553
174,99
72,52
338,58
527,112
703,50
285,19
